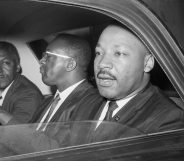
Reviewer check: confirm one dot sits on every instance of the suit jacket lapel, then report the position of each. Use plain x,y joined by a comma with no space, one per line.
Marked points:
38,115
100,110
125,116
71,101
10,92
133,106
93,129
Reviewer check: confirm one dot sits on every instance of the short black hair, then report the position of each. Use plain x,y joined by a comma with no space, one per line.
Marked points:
11,50
123,26
81,50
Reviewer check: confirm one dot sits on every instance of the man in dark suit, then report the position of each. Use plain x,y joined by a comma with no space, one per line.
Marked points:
20,98
122,65
64,65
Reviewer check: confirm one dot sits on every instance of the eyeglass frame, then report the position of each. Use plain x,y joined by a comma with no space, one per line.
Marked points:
53,53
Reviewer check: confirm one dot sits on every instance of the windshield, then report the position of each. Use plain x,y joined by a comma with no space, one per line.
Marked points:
22,139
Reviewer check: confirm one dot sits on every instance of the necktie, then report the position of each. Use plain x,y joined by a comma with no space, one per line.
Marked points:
112,106
1,102
52,107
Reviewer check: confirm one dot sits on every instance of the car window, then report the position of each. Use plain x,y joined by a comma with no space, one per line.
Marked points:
38,47
28,138
24,142
41,23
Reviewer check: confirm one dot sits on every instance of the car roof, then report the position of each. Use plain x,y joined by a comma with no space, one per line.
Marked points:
35,19
23,17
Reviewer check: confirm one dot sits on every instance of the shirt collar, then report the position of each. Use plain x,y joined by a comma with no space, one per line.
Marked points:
3,94
122,102
67,91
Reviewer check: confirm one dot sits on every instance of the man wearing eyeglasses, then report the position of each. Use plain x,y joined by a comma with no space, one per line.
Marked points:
64,65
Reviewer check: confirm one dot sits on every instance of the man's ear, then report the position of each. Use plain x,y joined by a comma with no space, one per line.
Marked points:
71,65
149,62
18,68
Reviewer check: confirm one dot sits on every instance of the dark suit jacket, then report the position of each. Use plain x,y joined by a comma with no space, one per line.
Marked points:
79,105
22,100
148,112
84,96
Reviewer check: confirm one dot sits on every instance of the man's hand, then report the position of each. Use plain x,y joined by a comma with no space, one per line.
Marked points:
5,117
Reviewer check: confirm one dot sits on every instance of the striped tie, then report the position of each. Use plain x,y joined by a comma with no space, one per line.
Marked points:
52,107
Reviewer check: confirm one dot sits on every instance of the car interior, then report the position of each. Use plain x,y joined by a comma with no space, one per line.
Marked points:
30,31
31,25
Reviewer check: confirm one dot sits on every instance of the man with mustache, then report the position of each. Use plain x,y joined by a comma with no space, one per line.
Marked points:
122,65
19,97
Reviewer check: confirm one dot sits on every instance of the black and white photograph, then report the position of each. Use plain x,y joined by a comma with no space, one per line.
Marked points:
91,80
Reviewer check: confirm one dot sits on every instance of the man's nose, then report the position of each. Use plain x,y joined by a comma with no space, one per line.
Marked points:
105,62
42,60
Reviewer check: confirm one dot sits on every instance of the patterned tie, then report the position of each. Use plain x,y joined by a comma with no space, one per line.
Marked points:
52,107
112,106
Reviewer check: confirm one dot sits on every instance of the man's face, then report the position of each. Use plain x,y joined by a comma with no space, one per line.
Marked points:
119,63
8,69
52,67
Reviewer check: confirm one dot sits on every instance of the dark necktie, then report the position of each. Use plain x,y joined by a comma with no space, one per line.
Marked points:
52,107
2,103
112,106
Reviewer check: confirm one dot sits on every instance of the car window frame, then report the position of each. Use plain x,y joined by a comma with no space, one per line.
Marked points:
164,54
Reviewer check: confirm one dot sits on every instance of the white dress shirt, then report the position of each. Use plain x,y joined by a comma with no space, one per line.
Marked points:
63,95
121,103
3,94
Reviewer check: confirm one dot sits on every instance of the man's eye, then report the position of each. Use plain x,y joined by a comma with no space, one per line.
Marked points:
6,62
45,55
117,53
48,56
97,53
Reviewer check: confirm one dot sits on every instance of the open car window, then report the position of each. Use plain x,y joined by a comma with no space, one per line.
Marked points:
82,140
30,138
25,142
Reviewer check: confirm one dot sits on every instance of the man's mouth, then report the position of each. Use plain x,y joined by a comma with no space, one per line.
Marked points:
105,79
2,76
42,70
